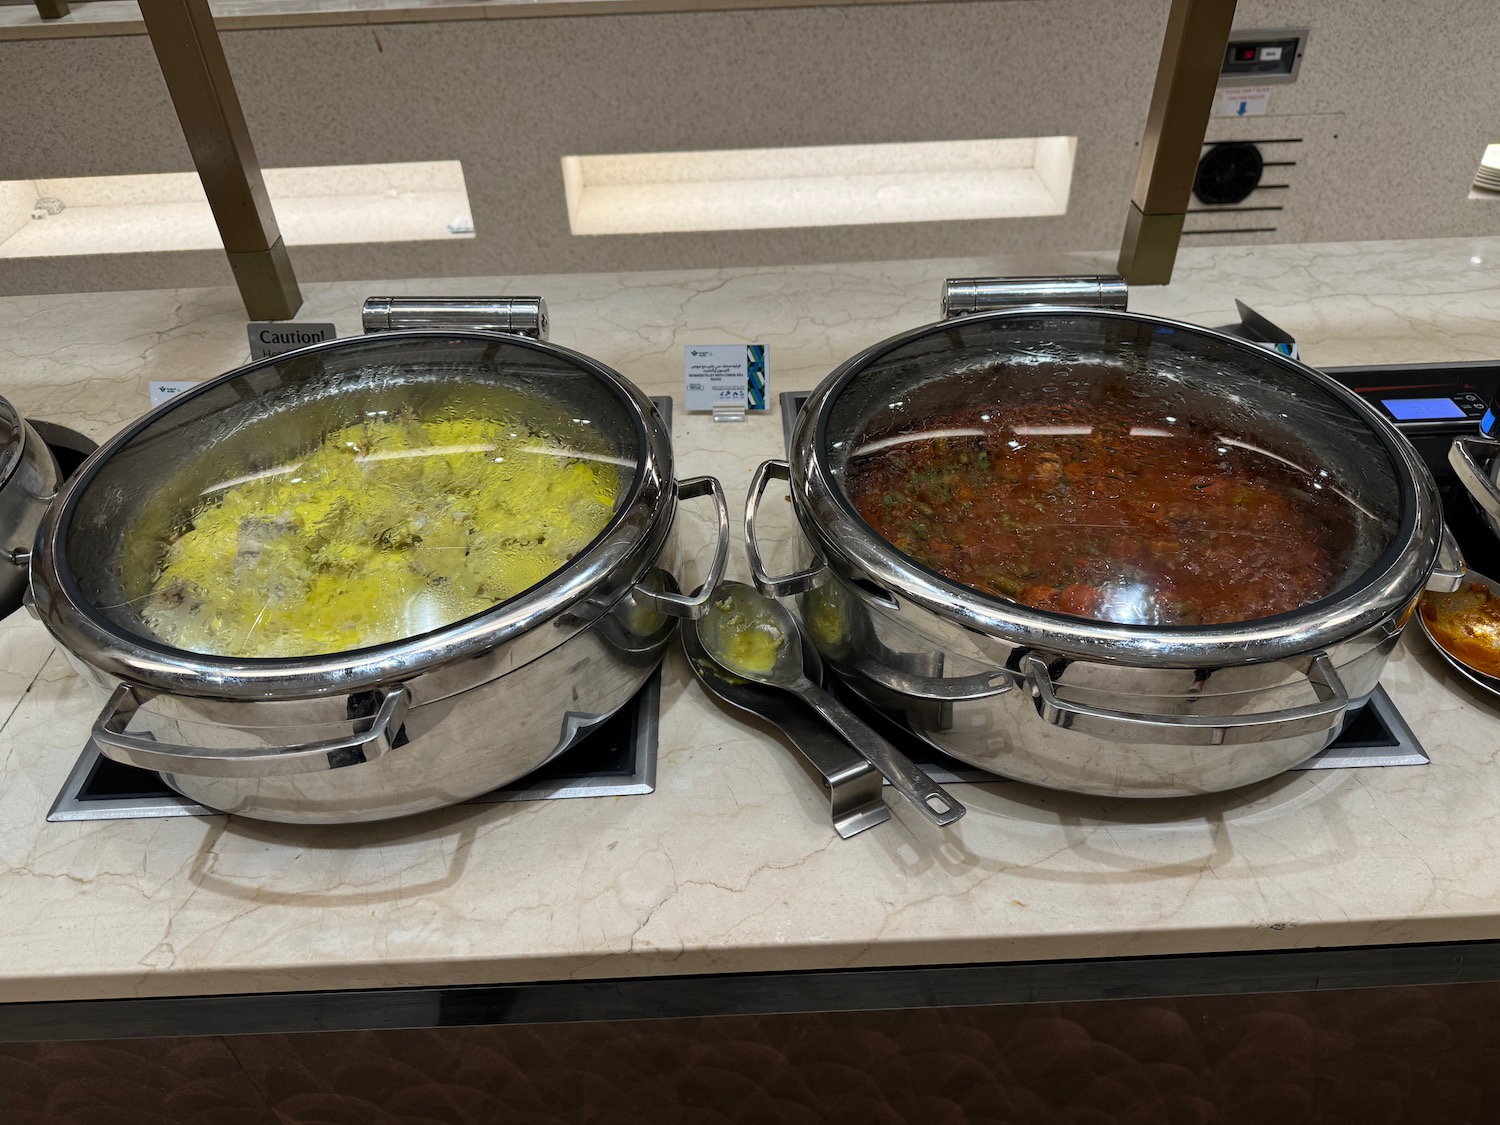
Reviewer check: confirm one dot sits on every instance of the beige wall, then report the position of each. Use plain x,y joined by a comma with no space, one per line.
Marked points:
1391,114
1393,108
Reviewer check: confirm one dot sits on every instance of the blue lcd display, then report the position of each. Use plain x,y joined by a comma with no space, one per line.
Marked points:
1422,409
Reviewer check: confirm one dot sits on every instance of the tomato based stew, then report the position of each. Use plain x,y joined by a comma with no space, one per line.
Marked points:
1114,511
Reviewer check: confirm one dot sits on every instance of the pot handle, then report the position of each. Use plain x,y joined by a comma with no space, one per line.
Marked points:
1464,456
696,606
1451,570
250,761
776,585
1192,730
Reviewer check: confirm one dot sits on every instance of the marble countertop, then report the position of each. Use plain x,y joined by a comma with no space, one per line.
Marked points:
731,864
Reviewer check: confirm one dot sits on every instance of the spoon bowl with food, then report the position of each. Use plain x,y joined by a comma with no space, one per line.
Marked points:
757,638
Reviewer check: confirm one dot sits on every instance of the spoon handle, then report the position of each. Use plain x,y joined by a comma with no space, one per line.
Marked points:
905,776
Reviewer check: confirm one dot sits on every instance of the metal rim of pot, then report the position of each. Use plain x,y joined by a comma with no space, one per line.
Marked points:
843,541
12,440
20,443
28,483
628,544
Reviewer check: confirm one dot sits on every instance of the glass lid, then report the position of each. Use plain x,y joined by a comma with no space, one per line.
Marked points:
352,495
1115,468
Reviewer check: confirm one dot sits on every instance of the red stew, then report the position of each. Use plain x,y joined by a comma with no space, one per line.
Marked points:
1138,519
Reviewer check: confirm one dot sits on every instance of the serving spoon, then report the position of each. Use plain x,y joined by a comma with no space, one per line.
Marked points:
756,637
853,785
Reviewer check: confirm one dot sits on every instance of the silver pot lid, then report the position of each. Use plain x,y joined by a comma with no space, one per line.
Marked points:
372,505
1114,478
12,440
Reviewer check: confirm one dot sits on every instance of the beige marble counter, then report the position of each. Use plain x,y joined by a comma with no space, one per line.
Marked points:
731,865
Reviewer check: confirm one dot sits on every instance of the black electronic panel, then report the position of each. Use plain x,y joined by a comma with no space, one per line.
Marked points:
1267,57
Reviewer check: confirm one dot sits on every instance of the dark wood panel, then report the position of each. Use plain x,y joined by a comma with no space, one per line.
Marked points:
1412,1056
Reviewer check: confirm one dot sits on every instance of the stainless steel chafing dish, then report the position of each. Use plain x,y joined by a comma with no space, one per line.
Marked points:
436,709
1115,696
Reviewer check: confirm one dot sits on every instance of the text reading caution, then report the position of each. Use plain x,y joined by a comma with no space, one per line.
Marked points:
272,337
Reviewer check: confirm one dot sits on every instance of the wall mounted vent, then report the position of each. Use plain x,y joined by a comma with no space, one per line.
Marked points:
1243,190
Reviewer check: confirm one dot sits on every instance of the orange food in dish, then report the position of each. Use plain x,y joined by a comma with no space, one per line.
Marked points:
1466,624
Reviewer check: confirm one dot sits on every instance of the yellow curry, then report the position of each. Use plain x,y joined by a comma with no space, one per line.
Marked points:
387,529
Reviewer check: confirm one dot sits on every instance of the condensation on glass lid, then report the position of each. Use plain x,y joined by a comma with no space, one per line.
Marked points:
1113,510
387,529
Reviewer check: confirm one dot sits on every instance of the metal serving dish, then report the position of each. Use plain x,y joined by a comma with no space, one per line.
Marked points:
427,715
1112,696
1464,628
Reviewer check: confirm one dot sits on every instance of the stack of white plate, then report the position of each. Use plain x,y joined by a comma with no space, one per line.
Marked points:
1488,177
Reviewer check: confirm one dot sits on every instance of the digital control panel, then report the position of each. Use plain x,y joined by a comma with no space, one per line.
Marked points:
1420,400
1262,56
1431,404
1453,407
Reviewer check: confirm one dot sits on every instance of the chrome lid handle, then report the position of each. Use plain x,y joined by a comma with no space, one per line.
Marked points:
517,316
696,606
965,295
1192,730
775,585
250,761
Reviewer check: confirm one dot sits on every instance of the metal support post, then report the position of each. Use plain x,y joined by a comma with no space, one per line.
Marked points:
1192,55
192,62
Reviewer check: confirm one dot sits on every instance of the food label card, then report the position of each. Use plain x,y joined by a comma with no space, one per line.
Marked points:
725,376
163,389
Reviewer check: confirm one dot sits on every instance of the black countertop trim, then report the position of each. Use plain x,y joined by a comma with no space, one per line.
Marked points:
1297,970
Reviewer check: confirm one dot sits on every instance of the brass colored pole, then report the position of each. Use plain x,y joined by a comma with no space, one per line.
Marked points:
192,61
52,9
1192,55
